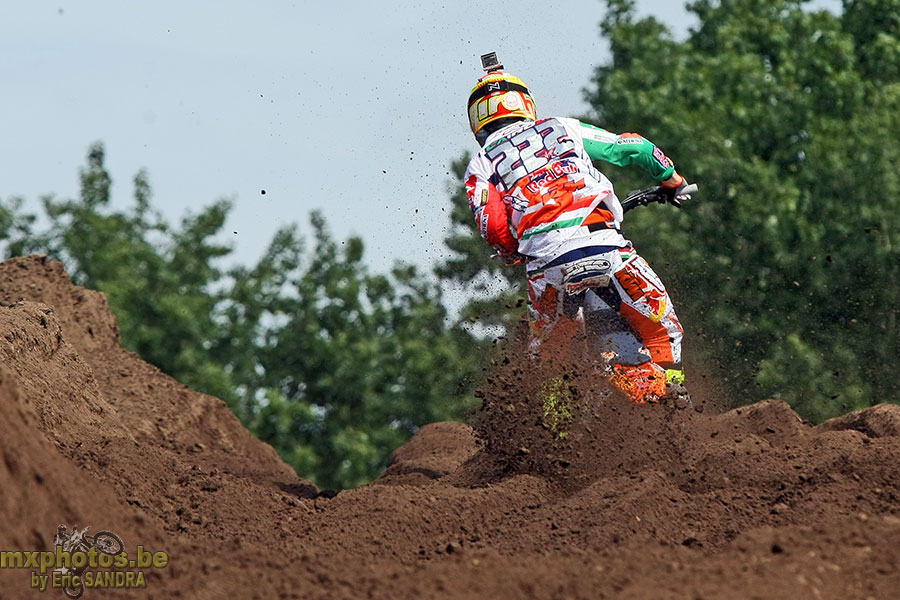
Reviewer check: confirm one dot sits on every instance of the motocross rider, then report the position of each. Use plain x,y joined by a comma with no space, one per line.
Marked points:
537,197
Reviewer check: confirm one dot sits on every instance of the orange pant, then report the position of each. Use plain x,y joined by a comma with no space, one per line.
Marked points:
623,280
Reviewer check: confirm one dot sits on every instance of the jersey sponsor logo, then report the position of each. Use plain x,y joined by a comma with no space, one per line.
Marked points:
598,134
661,157
604,136
544,176
629,138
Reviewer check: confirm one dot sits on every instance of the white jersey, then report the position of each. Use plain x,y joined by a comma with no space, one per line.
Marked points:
557,200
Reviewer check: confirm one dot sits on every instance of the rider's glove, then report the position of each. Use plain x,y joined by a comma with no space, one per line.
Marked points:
674,190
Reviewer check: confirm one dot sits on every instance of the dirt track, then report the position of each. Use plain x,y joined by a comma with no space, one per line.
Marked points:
637,502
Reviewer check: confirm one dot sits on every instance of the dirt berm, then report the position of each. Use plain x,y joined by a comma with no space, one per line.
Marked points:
610,500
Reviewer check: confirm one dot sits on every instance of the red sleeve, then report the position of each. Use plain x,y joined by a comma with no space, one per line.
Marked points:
491,214
495,219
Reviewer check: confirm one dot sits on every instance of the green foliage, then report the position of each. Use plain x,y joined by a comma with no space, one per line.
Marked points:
360,360
332,365
788,261
785,267
158,280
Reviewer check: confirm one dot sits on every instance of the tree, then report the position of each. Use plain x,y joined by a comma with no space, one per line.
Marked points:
787,263
785,267
357,362
159,281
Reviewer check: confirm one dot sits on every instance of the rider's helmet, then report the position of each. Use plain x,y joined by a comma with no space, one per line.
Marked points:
498,99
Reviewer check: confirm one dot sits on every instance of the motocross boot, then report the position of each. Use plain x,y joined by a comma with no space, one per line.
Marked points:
676,393
641,383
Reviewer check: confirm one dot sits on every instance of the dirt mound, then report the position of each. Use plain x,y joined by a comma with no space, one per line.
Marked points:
879,421
570,427
92,435
435,451
559,489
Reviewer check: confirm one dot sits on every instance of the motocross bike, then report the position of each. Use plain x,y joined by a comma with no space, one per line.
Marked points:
104,541
591,302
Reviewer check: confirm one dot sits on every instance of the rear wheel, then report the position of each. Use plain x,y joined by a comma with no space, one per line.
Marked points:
74,591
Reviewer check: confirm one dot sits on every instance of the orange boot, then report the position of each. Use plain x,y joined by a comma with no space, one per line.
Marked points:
641,383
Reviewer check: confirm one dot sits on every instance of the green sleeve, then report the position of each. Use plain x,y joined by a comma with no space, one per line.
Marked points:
622,150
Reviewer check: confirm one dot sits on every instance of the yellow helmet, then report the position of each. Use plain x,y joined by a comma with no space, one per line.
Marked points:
499,95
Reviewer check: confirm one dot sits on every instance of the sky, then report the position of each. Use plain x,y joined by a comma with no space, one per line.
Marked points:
352,108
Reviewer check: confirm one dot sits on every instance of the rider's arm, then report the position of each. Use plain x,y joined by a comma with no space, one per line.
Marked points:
491,213
628,148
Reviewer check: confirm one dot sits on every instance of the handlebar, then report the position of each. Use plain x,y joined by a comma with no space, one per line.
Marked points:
657,194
